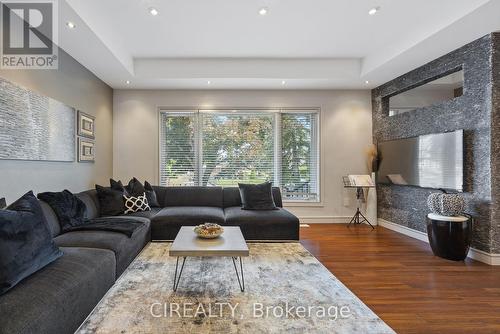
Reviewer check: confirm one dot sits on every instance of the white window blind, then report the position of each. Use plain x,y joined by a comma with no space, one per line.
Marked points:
224,148
237,148
178,149
299,157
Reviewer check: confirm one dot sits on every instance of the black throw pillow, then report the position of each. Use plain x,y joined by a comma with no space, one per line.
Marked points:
151,195
69,209
3,203
135,188
257,196
111,201
26,244
118,185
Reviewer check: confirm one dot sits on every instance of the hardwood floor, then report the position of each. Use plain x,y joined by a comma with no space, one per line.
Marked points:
400,279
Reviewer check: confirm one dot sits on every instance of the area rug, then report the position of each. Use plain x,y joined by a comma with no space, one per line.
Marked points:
287,291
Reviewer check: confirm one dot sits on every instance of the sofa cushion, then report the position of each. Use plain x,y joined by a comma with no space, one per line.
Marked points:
144,214
58,298
277,224
190,196
257,196
125,248
232,197
151,195
51,219
166,224
70,210
26,244
111,201
3,203
89,197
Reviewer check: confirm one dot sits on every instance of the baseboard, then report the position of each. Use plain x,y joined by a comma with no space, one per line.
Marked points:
475,254
325,219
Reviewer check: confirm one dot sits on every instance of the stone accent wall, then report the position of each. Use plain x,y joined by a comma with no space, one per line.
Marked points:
475,112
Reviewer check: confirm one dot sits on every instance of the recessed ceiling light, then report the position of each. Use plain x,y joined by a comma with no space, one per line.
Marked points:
263,11
127,82
283,82
209,82
367,82
373,11
153,11
71,25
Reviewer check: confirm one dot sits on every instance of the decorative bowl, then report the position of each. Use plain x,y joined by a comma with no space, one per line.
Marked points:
208,230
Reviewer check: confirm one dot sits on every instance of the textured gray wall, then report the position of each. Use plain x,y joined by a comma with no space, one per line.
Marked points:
495,145
472,112
73,85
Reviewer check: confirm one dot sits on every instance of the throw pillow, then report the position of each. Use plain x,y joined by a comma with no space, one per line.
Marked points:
69,209
26,244
257,196
3,203
118,185
110,201
135,188
151,195
136,203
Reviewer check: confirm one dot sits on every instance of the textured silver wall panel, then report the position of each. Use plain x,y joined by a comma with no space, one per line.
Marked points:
476,112
34,127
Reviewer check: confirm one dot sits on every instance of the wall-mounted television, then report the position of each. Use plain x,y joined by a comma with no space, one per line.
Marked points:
429,161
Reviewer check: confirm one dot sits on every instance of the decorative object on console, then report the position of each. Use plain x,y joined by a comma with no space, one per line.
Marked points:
136,203
111,201
69,209
446,204
35,127
26,244
257,196
151,195
85,150
86,125
209,230
3,203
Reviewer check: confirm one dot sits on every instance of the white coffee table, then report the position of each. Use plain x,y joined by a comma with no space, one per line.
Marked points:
230,244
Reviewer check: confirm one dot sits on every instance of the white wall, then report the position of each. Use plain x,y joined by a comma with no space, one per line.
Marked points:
345,134
75,86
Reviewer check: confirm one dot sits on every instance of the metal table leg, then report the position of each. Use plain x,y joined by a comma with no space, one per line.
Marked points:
241,282
177,279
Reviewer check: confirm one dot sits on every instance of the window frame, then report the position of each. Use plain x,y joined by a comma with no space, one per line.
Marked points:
198,111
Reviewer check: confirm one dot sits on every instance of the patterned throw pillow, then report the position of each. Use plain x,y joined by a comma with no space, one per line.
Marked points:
136,203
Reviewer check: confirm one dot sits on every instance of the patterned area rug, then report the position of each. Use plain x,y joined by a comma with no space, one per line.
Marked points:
287,290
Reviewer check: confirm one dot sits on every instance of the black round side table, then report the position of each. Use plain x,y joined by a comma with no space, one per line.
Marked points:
449,237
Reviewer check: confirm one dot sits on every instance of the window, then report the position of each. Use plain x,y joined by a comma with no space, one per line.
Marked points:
227,147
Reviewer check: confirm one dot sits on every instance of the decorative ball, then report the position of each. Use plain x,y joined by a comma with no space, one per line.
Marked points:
446,204
208,230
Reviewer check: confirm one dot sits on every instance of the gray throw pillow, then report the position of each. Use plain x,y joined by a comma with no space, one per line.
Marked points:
26,244
257,196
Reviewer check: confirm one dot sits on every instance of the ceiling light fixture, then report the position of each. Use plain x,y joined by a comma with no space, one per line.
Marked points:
127,82
373,11
153,11
71,25
283,82
367,82
263,11
209,82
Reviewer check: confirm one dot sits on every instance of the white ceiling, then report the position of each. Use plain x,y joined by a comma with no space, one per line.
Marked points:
315,44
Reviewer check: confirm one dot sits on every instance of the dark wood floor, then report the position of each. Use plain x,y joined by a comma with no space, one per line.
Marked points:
403,283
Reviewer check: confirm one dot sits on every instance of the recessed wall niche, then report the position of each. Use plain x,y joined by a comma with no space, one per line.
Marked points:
431,92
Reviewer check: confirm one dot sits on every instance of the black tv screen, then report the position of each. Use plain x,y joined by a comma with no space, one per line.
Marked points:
429,161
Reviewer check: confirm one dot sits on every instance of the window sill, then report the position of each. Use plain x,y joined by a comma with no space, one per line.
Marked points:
296,204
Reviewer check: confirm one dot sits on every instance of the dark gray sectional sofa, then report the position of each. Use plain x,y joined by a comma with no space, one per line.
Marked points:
59,297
